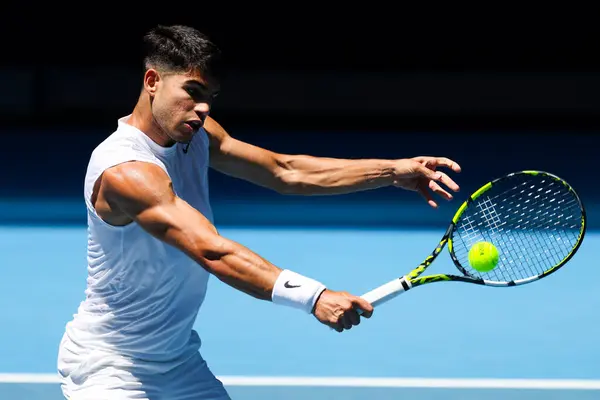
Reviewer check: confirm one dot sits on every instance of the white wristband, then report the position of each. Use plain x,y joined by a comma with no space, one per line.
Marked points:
297,291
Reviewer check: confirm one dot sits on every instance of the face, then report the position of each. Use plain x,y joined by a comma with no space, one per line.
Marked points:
180,102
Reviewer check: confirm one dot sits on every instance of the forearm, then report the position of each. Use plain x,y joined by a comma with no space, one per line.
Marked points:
250,273
239,267
306,175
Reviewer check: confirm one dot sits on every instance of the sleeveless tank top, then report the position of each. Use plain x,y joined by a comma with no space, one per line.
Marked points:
142,295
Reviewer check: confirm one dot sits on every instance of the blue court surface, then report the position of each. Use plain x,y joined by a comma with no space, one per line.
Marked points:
440,341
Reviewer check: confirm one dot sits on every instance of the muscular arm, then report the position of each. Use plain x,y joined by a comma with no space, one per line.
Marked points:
142,192
294,174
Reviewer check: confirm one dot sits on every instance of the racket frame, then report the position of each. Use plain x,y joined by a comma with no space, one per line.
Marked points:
413,279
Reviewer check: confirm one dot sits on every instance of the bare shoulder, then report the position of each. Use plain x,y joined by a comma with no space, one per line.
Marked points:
127,189
217,135
214,129
131,177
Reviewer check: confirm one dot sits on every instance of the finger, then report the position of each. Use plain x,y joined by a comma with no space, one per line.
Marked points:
364,305
437,189
427,196
336,325
454,166
423,159
448,163
446,180
426,162
353,317
442,162
429,173
345,320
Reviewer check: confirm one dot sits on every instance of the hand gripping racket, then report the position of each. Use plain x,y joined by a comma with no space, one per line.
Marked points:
535,219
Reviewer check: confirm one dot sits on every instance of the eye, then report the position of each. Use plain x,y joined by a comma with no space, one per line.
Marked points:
192,91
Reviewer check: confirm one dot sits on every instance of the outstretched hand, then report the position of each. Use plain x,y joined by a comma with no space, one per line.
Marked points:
420,174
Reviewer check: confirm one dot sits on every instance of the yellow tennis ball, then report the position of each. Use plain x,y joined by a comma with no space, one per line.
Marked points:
483,256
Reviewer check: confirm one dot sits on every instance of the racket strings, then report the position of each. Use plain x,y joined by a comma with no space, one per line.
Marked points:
533,221
540,259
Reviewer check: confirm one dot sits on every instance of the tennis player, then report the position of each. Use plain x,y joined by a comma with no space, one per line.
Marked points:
152,244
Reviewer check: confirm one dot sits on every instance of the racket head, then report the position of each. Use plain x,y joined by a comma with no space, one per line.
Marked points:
535,219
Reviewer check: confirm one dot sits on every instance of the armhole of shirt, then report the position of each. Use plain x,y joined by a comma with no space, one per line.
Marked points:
93,176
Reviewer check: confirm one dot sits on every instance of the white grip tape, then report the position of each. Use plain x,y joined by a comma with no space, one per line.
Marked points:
385,292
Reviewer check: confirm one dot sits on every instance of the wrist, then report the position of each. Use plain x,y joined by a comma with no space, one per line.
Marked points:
297,291
388,172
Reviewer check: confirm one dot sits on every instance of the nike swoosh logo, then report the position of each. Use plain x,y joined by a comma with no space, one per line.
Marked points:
287,285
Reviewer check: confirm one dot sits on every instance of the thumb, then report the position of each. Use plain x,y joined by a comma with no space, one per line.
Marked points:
364,306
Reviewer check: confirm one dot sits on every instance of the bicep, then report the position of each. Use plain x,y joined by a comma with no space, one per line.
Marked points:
180,225
144,193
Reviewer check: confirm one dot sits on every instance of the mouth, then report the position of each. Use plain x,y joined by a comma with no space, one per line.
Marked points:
195,125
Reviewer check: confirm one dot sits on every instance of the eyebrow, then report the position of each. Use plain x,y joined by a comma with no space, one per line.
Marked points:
202,86
196,83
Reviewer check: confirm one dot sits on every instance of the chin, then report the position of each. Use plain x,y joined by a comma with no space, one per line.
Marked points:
182,137
185,138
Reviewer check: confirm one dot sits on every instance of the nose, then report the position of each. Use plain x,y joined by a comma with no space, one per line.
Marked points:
202,109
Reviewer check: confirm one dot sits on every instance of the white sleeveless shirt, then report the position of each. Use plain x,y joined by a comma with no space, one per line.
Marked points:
142,295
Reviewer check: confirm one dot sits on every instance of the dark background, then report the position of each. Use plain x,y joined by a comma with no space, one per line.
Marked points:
497,90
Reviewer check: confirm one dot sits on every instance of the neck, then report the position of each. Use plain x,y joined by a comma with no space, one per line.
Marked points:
142,119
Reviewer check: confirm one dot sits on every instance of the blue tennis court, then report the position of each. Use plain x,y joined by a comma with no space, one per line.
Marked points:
445,341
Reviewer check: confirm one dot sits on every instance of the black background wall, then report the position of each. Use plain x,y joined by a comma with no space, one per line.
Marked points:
496,91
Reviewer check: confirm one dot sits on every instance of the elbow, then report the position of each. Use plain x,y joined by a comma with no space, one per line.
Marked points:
300,184
288,180
289,183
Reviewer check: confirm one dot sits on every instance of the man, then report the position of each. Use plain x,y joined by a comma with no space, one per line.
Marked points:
152,244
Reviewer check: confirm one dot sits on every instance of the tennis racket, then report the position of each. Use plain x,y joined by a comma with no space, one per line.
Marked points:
535,219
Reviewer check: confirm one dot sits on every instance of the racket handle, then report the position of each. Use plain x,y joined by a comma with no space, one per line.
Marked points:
386,292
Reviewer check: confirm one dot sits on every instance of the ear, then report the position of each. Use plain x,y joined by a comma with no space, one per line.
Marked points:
151,81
